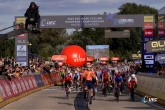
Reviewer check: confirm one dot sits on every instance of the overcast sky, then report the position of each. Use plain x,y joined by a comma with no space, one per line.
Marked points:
11,8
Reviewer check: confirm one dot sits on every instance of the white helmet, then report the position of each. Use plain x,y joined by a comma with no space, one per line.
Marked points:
133,76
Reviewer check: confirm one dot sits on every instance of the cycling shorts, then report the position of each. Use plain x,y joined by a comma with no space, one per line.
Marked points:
67,83
89,84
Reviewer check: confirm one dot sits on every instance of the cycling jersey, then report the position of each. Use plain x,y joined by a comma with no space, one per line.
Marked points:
132,83
67,78
89,75
118,79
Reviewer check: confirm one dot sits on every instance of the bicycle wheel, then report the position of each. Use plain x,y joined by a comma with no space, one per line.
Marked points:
132,94
117,94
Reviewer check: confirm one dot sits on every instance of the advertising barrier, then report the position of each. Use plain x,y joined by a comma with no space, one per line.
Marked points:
16,88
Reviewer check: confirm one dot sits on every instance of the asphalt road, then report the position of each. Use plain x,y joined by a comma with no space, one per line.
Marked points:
54,99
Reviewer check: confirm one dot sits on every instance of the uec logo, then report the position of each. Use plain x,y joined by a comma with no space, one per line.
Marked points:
148,99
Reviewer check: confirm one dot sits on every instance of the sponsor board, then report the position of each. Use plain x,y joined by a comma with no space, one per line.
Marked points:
103,58
148,25
59,57
160,58
90,58
136,56
155,46
20,54
160,25
148,18
149,62
161,32
115,58
22,63
148,56
21,47
149,32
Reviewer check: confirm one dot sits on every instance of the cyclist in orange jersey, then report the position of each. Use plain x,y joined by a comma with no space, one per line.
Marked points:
89,84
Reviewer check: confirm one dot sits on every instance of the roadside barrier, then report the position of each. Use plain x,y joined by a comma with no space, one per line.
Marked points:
152,87
20,87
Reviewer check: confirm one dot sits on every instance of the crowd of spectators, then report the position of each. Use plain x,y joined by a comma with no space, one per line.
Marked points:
11,69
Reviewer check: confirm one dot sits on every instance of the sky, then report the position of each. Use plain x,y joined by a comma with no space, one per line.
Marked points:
11,8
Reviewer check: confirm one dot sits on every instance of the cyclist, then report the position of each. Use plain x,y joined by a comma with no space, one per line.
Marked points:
105,80
132,76
89,75
62,74
76,77
117,81
67,81
132,84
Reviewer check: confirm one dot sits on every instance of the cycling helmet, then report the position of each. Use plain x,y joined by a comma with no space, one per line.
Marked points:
133,76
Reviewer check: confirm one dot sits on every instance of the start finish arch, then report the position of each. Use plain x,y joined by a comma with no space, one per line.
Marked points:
146,22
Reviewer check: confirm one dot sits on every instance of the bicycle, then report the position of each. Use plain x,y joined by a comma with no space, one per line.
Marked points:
117,92
67,91
87,97
132,92
105,89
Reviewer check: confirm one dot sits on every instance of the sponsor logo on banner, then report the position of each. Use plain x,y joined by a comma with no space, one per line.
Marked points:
59,57
160,25
90,58
115,58
161,32
26,84
21,41
160,57
148,18
14,87
148,56
47,22
7,88
2,92
148,25
30,83
147,99
23,85
34,82
136,56
19,87
148,39
155,46
21,54
149,32
21,47
149,62
103,58
123,21
78,58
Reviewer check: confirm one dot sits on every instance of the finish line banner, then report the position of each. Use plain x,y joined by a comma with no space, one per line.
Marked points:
94,21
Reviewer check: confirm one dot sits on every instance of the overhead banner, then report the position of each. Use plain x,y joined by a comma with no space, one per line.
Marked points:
155,46
117,34
94,21
21,49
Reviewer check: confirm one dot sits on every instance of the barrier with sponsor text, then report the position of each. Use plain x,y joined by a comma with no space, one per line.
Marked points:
19,87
